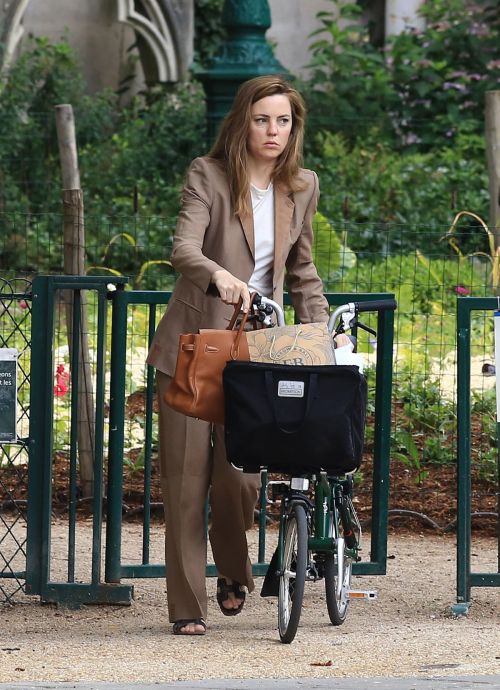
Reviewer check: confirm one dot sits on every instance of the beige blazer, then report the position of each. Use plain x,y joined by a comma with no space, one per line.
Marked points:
209,236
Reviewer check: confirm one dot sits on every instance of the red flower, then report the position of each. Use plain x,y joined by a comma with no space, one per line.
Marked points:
62,381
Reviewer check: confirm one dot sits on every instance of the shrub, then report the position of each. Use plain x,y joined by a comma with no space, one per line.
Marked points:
132,160
422,90
382,191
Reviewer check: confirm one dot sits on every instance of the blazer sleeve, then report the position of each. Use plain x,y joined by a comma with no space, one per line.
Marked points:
194,219
303,282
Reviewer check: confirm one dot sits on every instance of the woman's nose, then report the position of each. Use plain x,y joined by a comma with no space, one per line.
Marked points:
272,127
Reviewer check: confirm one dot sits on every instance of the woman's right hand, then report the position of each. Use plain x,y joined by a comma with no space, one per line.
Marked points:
231,289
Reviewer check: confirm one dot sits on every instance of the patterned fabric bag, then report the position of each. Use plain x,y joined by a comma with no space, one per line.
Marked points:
308,344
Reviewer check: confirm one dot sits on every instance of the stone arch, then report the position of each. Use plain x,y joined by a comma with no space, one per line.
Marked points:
12,29
157,31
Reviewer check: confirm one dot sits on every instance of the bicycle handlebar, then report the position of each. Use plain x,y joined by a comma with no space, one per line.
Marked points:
376,305
356,307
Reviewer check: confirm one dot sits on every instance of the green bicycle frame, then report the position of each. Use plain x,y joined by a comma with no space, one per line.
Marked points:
325,510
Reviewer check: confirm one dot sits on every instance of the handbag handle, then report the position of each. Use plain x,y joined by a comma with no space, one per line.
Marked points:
237,310
311,394
236,345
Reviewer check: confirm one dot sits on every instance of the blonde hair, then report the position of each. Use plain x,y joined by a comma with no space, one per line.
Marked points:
231,143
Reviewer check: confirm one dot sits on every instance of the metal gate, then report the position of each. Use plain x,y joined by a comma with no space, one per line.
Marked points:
113,305
466,578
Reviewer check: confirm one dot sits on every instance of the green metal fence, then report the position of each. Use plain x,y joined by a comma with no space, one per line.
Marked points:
47,293
469,330
120,307
15,336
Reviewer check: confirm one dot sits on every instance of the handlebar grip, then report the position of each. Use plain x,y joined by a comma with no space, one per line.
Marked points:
377,305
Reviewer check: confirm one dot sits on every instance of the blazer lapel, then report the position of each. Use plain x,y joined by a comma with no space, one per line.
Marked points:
283,213
246,220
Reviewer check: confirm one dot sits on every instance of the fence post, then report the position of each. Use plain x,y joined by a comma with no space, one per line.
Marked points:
463,460
116,437
40,436
492,133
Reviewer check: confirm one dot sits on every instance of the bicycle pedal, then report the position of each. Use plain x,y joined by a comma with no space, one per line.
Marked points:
369,594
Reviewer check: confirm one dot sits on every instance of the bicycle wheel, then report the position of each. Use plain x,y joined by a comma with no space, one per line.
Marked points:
293,573
337,580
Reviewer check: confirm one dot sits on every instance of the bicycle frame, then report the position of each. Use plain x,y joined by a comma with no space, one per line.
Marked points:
326,506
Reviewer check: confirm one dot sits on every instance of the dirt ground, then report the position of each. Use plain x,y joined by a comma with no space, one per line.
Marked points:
407,631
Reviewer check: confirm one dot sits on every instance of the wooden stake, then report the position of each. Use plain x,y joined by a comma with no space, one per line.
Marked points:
74,264
492,132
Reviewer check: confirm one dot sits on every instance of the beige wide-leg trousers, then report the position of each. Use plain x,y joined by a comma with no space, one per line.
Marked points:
192,463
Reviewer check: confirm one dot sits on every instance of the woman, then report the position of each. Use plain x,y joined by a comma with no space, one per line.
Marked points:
246,217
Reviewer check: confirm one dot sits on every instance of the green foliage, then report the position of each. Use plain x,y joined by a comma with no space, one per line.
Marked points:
146,275
208,30
132,163
426,292
422,89
332,256
425,423
384,190
407,452
42,77
443,72
483,416
349,79
140,166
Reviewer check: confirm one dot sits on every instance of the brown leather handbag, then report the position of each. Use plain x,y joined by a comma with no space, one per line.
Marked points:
196,388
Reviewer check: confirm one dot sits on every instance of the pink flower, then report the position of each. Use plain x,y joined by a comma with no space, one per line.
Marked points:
23,304
461,290
62,381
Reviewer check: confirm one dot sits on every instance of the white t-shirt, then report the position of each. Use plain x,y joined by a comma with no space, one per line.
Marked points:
261,279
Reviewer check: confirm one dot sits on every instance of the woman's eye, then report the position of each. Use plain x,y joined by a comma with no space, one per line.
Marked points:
260,120
284,121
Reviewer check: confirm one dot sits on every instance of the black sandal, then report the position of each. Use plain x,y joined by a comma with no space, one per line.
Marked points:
223,592
180,624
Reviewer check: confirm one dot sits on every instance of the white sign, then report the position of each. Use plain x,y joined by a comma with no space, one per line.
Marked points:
8,394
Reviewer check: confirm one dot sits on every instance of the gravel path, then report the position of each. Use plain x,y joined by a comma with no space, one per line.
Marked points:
407,631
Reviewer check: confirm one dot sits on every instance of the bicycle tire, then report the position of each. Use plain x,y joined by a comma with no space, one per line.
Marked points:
292,573
337,599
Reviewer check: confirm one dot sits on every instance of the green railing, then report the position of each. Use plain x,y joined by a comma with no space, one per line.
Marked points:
119,301
465,577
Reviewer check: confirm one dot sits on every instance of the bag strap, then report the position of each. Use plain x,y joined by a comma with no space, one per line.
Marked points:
311,394
236,345
237,310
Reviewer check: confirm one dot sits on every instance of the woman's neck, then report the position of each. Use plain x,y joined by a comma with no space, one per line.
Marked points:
260,174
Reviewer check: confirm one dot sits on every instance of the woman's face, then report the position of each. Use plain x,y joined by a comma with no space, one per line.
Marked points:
270,127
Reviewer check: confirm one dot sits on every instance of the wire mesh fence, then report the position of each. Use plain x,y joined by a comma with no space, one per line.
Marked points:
15,337
415,263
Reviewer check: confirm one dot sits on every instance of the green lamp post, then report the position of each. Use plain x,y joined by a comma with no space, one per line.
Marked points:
243,55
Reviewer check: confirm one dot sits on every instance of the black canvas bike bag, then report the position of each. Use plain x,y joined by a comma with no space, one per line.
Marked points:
294,418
